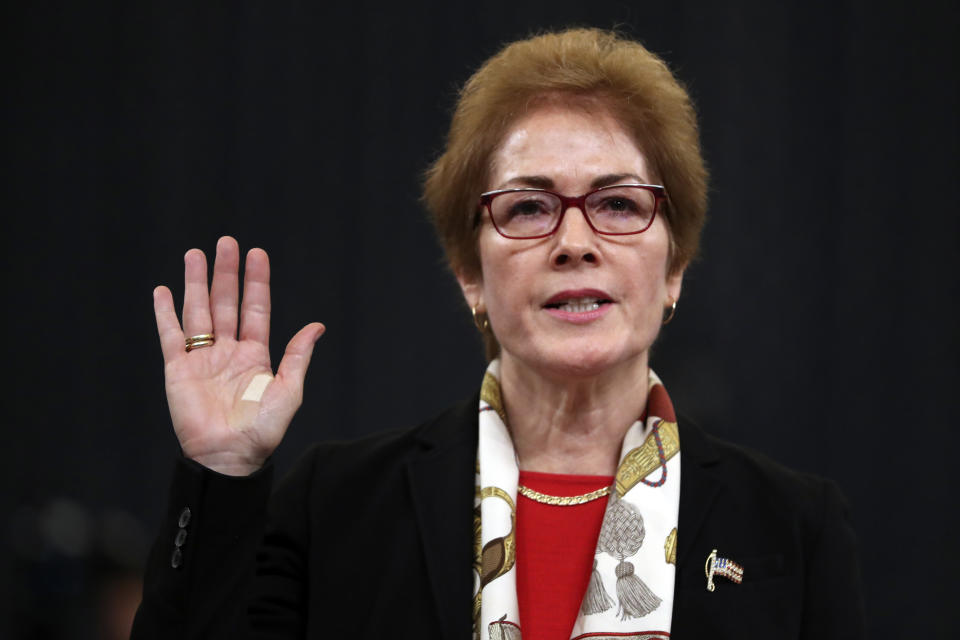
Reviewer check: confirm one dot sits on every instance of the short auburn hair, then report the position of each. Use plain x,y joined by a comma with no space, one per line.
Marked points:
582,67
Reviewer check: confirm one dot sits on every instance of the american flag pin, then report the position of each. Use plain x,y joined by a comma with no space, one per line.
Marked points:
725,567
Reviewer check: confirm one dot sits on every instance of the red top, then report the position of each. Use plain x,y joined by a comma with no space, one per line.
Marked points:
555,551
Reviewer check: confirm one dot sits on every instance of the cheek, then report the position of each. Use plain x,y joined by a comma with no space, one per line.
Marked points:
655,259
497,285
649,286
509,276
648,296
504,293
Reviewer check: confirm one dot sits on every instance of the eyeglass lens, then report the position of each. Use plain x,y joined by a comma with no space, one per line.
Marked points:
621,209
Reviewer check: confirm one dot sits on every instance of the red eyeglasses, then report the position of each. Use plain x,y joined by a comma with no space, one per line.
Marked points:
617,210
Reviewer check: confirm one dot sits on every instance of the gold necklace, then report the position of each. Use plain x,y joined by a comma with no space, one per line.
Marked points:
562,501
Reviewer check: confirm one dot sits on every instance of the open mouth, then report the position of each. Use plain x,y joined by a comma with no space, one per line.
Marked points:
579,305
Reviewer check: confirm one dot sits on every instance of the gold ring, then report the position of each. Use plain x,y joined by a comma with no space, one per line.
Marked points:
199,340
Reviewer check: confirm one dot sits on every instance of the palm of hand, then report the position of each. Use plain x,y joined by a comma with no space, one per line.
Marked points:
215,422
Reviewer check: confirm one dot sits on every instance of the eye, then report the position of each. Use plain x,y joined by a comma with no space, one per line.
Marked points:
530,205
623,203
619,205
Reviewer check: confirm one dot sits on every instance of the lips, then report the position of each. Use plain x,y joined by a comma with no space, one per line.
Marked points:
579,300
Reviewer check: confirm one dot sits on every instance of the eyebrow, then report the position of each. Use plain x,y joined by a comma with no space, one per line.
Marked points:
543,182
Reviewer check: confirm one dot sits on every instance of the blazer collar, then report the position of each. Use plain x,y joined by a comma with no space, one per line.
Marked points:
441,477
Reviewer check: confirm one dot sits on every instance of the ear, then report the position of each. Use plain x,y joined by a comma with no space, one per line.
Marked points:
472,288
674,283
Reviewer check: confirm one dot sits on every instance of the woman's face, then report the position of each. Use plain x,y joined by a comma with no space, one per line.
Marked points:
539,294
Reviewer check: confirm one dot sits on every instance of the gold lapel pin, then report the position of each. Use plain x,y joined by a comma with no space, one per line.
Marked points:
724,567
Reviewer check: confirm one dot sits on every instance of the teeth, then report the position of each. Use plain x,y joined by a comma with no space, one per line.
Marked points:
580,305
580,308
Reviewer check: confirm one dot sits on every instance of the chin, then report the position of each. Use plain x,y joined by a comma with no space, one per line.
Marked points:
584,360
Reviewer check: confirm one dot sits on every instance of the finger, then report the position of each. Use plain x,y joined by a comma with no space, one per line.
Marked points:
255,309
196,298
224,290
296,359
168,327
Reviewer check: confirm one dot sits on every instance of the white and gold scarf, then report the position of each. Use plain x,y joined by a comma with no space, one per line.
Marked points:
630,594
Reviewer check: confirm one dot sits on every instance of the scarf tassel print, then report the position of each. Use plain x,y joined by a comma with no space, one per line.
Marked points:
622,536
643,505
596,599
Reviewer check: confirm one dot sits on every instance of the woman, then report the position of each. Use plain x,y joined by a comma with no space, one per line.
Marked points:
569,200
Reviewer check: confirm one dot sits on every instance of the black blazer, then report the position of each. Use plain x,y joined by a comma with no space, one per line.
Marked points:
373,538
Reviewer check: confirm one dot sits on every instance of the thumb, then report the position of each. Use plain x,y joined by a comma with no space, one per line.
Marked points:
296,358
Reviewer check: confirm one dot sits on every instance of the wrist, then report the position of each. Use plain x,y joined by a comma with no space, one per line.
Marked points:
229,464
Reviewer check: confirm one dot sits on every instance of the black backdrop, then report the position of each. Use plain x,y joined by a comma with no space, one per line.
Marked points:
822,315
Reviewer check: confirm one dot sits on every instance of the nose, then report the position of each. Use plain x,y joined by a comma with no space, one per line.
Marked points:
574,240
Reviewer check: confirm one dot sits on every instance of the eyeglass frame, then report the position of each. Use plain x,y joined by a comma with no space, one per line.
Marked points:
580,202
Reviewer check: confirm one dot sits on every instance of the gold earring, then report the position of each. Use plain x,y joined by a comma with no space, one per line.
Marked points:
480,320
673,310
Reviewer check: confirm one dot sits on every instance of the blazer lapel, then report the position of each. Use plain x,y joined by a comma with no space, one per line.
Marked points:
699,487
441,481
699,490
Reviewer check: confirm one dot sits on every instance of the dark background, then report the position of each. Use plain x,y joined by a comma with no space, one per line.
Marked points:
820,325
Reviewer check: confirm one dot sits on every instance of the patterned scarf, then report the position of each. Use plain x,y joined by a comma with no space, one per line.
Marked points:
630,594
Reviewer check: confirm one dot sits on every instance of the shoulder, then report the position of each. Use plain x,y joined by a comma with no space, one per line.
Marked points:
747,472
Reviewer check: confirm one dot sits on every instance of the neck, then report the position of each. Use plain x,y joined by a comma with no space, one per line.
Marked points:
572,425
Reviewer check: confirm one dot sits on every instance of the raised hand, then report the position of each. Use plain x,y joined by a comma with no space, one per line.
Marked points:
229,411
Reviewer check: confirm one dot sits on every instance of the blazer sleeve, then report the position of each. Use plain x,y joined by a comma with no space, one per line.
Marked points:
833,599
229,561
